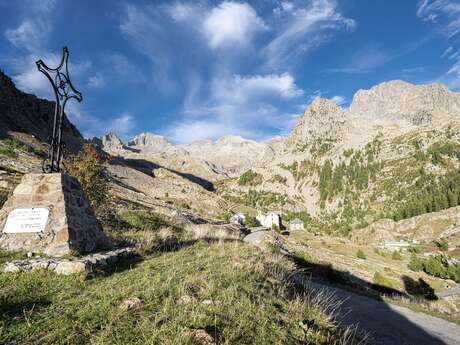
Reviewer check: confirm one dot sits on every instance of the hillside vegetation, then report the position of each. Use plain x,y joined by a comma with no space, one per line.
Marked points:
206,293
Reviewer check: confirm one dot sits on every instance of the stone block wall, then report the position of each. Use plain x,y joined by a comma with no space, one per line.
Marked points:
71,226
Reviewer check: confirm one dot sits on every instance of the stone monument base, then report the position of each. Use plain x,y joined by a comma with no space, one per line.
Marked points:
50,214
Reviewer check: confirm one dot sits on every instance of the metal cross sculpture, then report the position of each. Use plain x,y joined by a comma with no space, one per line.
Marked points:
63,91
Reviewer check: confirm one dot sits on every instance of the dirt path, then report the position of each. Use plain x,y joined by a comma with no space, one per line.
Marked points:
390,324
387,324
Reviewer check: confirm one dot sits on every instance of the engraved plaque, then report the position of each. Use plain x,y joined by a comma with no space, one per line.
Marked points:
23,220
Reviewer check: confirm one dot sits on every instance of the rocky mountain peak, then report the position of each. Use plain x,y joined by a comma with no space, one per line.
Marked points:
112,143
234,140
402,99
150,142
322,119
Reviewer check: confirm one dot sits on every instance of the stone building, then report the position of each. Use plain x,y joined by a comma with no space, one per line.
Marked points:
270,219
296,224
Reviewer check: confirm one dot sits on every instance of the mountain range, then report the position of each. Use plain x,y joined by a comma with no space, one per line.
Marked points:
345,167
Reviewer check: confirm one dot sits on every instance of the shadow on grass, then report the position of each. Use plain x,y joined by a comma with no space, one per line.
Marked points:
385,325
17,311
155,249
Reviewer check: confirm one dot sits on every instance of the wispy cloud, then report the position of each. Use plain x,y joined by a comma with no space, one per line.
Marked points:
96,81
93,126
374,56
339,99
445,16
242,105
441,11
301,26
35,27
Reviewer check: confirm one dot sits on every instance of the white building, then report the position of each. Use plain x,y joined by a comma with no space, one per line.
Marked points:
238,218
270,219
296,224
396,244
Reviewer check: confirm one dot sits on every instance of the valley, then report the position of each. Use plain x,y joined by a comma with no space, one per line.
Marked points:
385,169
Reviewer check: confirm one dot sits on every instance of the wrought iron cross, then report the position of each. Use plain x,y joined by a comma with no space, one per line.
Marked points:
63,91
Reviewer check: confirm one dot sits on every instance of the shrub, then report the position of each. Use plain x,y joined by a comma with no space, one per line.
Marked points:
141,220
396,255
250,178
226,217
434,266
415,249
442,245
275,227
251,221
87,167
382,281
8,152
360,254
279,179
453,272
415,263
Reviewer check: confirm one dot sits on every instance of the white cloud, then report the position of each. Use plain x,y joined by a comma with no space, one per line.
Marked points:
339,100
190,131
240,89
303,28
96,81
92,126
32,32
28,79
445,15
122,125
248,106
231,23
444,12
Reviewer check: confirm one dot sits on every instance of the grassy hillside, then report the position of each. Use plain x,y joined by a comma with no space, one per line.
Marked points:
228,291
397,177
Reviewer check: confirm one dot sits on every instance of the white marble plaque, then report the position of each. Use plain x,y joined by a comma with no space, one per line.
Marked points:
23,220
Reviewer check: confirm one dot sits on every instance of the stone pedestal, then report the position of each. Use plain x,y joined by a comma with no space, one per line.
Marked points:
51,216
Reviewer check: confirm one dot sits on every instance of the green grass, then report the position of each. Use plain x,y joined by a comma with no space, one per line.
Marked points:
251,303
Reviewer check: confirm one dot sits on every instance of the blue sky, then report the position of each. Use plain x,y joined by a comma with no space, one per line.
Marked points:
193,70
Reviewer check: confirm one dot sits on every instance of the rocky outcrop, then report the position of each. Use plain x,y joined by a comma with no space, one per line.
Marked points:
399,100
323,120
111,143
152,143
21,112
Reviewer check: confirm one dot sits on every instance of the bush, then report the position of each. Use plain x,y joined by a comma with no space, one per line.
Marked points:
396,255
382,281
8,152
250,178
251,221
435,267
275,227
442,245
360,254
279,179
87,167
415,263
226,217
415,249
142,220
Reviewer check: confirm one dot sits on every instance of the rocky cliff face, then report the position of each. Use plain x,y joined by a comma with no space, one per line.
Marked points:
401,99
323,119
21,112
